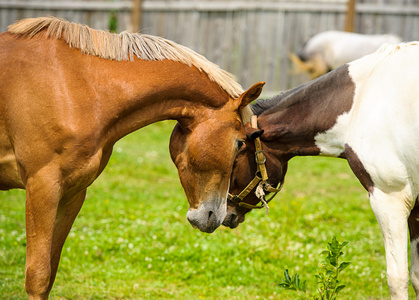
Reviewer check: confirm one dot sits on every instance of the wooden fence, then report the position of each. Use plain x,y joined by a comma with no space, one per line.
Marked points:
251,39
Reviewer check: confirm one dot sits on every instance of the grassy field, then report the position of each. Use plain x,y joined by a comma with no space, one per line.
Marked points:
131,239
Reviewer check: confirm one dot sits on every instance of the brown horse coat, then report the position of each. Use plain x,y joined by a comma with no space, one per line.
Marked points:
68,93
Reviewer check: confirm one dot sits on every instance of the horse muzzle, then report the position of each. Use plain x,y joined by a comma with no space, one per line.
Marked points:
233,220
208,216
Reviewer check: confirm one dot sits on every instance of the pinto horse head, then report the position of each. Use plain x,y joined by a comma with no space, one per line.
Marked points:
244,170
205,174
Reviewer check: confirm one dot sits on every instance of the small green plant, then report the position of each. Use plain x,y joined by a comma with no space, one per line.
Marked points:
327,277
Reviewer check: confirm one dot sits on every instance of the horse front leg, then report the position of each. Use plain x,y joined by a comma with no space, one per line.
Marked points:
49,218
391,213
414,248
42,198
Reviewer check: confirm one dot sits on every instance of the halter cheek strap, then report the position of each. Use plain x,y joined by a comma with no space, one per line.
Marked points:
260,181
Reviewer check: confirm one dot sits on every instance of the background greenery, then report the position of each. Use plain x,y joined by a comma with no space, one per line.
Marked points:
131,239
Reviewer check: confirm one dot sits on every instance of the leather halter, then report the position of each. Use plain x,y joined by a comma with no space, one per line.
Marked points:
260,180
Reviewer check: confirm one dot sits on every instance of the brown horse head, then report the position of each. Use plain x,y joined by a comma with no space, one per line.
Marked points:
244,171
205,175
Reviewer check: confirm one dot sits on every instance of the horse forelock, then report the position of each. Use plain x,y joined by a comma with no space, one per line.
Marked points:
125,46
246,114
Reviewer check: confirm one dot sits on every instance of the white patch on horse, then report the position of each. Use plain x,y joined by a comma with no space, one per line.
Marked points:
331,142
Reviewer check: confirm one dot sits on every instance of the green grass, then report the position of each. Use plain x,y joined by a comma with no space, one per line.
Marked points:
131,239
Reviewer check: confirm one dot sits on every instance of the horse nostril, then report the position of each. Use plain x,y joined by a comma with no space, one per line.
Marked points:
233,218
210,214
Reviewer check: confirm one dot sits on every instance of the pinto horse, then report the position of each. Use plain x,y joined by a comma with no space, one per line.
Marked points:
68,93
366,112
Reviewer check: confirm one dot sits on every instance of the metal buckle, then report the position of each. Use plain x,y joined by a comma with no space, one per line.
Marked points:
257,157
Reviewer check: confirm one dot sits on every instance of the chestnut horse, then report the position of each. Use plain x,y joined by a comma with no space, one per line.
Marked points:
366,112
68,93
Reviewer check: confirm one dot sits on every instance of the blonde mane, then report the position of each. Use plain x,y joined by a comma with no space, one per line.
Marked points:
389,49
125,46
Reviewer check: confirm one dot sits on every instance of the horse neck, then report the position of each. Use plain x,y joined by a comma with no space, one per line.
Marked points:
141,92
302,114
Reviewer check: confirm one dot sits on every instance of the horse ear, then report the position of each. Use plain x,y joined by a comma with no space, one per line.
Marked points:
251,94
253,133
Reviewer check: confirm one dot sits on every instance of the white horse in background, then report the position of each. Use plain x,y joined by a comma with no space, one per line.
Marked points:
329,50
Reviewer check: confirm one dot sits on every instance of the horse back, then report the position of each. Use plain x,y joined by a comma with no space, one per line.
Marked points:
386,93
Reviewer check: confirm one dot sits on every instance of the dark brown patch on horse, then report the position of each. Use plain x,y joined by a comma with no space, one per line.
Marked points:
413,222
308,109
359,169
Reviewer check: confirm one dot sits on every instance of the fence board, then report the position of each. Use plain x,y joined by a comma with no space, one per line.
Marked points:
251,39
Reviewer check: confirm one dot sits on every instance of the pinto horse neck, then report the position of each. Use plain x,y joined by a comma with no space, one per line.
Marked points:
292,123
296,119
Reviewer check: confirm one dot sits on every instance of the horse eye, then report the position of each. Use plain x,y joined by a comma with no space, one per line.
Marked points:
240,144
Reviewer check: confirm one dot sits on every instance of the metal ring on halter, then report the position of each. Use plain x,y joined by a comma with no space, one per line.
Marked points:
257,157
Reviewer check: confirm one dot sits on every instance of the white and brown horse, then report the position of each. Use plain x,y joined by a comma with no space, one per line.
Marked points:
68,93
366,112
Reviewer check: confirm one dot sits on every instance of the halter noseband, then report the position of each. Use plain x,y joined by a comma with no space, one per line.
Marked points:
260,180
